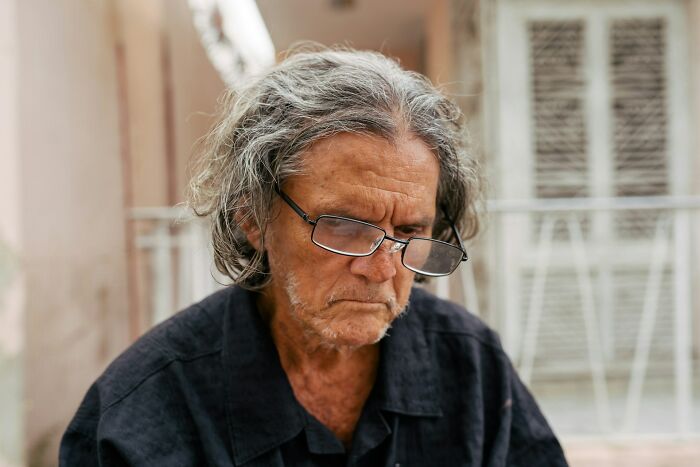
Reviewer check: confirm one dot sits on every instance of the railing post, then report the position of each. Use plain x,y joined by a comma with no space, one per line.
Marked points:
442,287
162,272
534,312
590,318
185,252
471,296
203,281
646,327
683,322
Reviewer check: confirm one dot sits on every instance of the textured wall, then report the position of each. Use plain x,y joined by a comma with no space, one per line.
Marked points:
11,288
102,103
72,226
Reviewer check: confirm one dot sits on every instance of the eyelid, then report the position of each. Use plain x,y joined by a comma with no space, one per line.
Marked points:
412,229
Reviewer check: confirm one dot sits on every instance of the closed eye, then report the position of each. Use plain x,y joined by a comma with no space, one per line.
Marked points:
406,231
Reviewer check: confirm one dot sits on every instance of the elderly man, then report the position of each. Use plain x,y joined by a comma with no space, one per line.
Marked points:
333,183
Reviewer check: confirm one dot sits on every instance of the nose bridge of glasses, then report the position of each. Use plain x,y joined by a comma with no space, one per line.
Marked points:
396,244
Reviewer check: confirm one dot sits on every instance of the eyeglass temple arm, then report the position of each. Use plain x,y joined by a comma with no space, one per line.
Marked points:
455,232
294,205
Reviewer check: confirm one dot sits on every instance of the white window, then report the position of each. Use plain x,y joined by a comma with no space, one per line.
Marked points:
591,102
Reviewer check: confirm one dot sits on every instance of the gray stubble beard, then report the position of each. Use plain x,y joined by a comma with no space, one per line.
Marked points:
298,308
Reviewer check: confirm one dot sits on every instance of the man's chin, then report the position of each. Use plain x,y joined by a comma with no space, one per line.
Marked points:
354,334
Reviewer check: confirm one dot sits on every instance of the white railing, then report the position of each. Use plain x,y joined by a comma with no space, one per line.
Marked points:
534,248
589,248
174,261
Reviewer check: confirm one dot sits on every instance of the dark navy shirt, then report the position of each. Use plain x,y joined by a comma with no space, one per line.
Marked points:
206,388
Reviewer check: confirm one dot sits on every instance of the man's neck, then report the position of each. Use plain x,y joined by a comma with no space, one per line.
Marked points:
332,383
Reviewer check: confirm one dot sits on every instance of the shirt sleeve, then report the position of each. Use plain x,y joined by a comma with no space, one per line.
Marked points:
80,443
532,441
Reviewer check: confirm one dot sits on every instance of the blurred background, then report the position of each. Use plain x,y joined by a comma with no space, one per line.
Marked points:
583,114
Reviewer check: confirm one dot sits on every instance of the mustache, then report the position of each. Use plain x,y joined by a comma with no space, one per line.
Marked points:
363,295
368,294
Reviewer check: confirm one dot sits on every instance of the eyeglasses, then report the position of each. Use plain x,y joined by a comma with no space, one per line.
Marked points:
350,237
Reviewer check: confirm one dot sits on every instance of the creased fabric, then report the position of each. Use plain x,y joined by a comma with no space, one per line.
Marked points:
206,388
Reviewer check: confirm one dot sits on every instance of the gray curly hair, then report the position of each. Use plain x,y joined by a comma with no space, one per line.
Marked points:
265,127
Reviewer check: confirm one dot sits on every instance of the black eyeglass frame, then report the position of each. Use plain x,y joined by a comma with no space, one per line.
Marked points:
301,213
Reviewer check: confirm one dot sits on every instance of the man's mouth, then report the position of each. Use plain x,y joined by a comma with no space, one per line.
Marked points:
366,301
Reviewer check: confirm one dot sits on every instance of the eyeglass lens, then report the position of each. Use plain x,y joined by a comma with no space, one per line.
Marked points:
431,257
346,236
355,238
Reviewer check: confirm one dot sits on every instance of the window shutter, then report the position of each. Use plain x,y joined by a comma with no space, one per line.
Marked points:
558,92
639,111
562,167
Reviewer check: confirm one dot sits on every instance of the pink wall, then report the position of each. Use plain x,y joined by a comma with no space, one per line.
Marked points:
106,100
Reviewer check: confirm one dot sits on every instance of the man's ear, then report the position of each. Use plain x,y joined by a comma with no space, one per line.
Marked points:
250,228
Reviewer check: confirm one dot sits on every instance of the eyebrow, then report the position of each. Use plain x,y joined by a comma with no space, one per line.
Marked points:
342,211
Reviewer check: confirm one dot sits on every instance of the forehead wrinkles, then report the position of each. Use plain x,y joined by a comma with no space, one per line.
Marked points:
403,202
370,170
377,161
411,194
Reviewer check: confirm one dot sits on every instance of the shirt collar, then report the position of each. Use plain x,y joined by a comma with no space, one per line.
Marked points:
261,408
262,411
407,379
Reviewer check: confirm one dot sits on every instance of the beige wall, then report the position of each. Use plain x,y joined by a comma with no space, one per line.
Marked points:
170,90
72,205
439,52
453,51
11,280
171,95
102,102
453,48
694,30
139,34
196,86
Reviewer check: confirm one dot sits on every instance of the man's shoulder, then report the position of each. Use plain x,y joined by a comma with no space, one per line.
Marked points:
444,317
192,334
149,394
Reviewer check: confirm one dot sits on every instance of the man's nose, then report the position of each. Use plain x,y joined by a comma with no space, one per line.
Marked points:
381,265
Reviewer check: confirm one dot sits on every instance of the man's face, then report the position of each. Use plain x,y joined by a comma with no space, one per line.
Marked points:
344,301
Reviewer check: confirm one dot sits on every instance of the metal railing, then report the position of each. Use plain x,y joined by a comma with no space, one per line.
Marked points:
174,261
584,239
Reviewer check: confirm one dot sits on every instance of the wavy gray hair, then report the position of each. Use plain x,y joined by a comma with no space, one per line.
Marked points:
265,127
